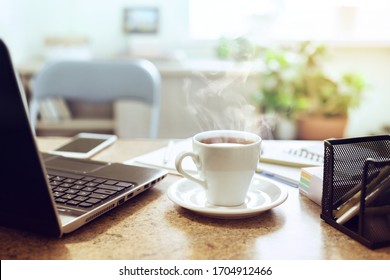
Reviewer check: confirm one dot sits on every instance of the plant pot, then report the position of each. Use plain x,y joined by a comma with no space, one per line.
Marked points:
286,129
321,128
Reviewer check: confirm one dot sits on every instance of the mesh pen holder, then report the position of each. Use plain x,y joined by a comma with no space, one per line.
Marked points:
356,189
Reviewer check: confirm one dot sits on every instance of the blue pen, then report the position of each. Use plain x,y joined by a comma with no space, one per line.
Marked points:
278,178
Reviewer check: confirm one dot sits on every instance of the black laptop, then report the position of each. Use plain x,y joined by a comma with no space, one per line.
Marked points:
51,194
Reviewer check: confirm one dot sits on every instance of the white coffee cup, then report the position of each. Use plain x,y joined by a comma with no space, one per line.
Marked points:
226,162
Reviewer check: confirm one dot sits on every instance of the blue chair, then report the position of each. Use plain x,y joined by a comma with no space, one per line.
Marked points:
99,82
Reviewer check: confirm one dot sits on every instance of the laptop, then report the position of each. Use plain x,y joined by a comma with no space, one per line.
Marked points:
47,193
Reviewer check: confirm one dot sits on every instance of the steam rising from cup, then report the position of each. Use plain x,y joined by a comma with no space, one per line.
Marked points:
219,103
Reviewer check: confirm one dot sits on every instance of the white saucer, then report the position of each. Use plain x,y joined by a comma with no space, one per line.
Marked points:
262,196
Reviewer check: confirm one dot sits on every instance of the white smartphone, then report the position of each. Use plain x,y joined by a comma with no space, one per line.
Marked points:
85,145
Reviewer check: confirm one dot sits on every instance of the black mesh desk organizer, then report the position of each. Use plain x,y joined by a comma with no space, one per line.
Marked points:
350,165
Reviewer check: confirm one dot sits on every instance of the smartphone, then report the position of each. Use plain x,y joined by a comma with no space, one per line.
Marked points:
85,145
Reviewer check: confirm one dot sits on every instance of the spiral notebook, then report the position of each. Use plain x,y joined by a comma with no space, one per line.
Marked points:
296,153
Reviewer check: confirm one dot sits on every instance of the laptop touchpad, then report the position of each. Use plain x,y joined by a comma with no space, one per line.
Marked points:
74,165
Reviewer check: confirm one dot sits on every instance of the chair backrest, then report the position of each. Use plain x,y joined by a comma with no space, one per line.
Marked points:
99,81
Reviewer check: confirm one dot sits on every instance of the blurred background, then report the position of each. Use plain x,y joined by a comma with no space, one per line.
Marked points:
269,65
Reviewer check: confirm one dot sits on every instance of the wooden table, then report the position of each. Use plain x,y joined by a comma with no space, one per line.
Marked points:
152,227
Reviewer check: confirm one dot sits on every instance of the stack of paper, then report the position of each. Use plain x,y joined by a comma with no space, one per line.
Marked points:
310,183
165,157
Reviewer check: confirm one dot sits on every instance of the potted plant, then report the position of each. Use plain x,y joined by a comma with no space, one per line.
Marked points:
330,102
295,87
280,97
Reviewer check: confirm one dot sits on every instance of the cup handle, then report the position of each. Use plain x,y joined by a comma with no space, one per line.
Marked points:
179,168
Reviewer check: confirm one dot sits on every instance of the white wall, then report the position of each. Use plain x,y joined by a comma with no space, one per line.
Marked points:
25,24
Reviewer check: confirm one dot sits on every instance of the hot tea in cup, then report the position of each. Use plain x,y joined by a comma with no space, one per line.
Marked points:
226,162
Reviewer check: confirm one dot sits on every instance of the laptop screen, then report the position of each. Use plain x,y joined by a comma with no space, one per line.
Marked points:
25,200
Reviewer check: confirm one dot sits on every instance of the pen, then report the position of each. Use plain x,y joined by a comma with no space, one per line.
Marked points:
168,152
278,178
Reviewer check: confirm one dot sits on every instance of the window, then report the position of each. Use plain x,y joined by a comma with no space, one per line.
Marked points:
211,19
325,20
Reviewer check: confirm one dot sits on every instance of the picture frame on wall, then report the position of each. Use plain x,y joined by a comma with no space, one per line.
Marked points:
141,20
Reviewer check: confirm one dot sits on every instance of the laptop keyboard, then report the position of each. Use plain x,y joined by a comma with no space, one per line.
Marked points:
84,191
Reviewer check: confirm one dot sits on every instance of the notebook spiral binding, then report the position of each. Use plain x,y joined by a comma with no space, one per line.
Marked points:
305,153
